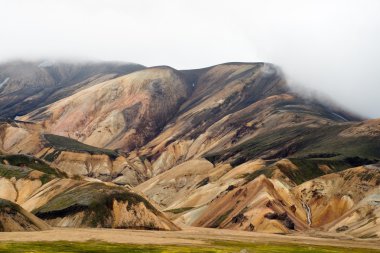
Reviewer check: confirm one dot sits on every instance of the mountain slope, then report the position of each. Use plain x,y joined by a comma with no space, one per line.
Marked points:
122,113
228,146
28,85
233,104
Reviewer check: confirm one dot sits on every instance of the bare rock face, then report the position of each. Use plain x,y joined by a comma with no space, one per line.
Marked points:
122,113
19,137
344,199
14,218
262,203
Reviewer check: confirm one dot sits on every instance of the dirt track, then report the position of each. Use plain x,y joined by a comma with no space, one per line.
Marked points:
189,235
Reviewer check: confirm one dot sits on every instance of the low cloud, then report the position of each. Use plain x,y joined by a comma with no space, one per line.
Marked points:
329,46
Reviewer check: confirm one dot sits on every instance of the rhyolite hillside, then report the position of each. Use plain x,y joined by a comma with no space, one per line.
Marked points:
227,146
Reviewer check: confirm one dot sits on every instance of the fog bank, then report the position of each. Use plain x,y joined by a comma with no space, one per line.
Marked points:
330,46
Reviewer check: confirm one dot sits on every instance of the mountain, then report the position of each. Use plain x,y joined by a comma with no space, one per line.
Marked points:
123,113
228,146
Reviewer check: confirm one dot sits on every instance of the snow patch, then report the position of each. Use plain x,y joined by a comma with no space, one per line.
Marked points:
339,116
308,212
46,64
4,82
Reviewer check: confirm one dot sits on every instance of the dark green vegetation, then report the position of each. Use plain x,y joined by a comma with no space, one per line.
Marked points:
60,143
203,182
179,210
8,204
307,148
30,162
95,199
309,168
215,247
220,219
20,166
301,141
9,171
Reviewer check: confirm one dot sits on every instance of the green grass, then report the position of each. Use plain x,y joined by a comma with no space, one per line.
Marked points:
215,247
61,143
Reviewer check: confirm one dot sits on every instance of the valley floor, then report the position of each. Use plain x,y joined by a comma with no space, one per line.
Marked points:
188,240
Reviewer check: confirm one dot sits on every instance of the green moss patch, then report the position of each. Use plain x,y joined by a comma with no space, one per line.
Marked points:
9,171
179,210
61,143
30,162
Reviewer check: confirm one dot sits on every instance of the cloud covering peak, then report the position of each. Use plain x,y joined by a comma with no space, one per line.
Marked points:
330,46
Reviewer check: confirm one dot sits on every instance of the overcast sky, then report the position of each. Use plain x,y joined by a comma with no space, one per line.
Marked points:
330,46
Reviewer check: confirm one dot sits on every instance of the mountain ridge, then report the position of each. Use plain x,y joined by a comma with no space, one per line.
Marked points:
188,142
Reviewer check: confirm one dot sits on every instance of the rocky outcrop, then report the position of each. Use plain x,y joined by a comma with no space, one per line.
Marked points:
19,137
14,218
101,205
332,196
